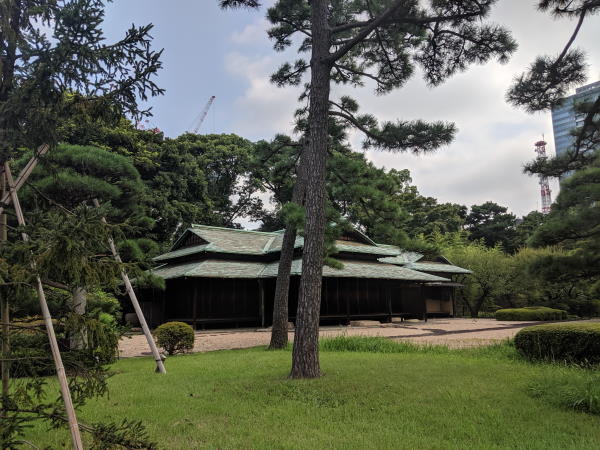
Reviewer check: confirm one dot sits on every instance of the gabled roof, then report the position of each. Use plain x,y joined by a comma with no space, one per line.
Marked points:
412,260
437,267
392,262
241,269
359,269
209,239
402,258
214,268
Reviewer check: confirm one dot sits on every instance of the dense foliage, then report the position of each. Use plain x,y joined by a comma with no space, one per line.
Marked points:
43,86
569,342
534,313
573,223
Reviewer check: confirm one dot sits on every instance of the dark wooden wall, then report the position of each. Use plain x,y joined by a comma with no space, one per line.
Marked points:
210,303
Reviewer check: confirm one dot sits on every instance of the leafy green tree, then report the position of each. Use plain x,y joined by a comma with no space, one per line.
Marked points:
349,42
492,270
527,226
492,223
191,179
202,179
537,281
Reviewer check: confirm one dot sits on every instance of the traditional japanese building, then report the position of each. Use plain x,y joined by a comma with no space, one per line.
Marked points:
226,277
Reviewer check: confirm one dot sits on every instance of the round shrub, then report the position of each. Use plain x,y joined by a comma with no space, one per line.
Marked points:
533,313
175,337
570,342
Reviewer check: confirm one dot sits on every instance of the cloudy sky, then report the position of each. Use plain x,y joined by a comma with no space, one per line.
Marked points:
227,54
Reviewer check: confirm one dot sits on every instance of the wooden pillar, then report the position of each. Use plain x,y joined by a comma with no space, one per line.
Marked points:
261,302
388,296
424,302
195,304
347,295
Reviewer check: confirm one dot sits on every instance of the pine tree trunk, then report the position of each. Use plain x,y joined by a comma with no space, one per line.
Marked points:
305,357
279,332
5,314
79,305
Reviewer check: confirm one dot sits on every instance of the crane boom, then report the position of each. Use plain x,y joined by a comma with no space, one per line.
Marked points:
203,114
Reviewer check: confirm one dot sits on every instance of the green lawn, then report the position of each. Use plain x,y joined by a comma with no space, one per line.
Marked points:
429,399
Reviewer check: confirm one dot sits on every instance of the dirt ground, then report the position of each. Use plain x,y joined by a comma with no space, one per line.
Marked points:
454,333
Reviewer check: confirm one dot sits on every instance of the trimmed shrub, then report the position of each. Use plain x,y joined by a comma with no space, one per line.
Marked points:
175,337
533,313
568,342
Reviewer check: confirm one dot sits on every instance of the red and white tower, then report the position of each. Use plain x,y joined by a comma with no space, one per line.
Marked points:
540,149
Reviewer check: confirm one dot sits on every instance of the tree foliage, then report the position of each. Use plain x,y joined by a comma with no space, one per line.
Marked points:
37,41
547,82
493,224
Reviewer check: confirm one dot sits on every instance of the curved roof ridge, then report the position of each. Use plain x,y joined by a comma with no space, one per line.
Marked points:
239,230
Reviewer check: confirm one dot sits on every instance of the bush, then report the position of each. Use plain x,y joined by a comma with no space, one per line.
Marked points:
175,337
568,342
531,313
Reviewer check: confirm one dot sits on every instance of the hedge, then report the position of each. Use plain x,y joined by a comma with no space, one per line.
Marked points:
531,313
570,342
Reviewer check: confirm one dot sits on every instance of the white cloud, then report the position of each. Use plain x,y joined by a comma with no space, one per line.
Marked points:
252,34
264,109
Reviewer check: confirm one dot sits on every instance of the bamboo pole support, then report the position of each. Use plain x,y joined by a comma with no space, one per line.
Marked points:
23,175
160,367
60,369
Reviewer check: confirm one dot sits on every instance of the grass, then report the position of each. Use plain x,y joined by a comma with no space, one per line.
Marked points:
374,394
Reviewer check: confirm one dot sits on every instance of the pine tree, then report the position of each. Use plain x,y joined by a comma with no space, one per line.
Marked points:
350,42
55,63
573,221
547,82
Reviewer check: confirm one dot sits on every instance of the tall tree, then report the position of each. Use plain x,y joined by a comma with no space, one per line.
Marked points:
494,224
42,84
549,79
572,223
350,42
72,176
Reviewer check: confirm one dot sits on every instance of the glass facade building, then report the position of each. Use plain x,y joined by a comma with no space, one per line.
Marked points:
564,118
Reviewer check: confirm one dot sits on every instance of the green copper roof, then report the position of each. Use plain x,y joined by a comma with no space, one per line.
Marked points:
402,258
351,247
183,252
211,269
437,267
202,239
359,269
244,242
236,269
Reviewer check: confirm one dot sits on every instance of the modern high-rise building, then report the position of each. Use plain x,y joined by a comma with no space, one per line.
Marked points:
564,118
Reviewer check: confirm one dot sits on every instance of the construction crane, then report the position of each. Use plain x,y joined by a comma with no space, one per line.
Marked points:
198,122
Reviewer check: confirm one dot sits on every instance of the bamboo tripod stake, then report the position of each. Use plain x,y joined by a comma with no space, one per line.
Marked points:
160,367
60,369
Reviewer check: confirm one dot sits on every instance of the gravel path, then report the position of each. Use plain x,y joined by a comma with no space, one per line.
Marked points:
455,333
